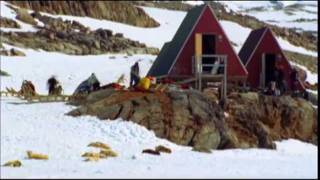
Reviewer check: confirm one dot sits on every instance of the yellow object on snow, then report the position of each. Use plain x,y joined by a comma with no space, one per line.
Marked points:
91,154
92,159
108,153
144,83
32,155
14,163
99,145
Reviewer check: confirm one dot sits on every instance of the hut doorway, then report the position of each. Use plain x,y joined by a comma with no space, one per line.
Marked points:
208,48
268,67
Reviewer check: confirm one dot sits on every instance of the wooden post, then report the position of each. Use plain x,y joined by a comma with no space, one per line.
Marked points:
225,80
198,59
200,81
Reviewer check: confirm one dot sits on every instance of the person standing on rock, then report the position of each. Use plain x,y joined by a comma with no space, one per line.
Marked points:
134,74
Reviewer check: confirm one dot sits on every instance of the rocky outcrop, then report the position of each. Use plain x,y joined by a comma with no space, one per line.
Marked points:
186,118
8,23
11,52
195,119
24,16
71,37
309,62
108,10
256,118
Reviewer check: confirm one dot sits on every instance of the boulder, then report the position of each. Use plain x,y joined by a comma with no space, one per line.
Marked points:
169,115
8,23
11,52
119,35
15,52
98,95
24,16
264,119
207,138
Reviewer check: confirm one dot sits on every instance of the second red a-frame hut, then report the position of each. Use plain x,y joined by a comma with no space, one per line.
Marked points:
260,54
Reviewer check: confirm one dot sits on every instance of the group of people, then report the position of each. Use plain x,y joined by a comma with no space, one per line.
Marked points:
278,84
92,83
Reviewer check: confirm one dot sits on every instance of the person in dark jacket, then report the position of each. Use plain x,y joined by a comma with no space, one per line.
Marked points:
134,75
52,83
294,76
279,79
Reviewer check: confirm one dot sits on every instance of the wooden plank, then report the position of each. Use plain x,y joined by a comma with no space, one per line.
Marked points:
186,81
198,45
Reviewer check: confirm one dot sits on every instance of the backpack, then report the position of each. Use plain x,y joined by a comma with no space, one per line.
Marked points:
87,85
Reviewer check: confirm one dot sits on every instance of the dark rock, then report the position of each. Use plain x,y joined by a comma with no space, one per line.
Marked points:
163,149
16,52
264,119
111,112
62,35
8,23
151,151
98,95
23,15
119,35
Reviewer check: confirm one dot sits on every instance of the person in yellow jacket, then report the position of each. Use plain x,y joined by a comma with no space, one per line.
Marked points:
145,83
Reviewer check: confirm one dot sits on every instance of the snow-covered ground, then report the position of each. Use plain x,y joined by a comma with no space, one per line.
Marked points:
38,66
11,14
311,77
44,128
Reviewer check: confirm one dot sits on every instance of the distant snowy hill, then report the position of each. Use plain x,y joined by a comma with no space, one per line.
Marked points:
302,15
292,14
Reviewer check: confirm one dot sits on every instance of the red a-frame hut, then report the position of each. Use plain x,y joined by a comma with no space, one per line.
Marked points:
260,54
197,47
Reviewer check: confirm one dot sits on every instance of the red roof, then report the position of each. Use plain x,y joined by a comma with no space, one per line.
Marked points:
250,44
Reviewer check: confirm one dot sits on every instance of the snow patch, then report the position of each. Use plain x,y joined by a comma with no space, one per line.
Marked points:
11,14
38,66
311,77
44,128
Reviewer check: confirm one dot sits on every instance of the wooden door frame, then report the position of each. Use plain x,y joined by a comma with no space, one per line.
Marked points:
215,39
